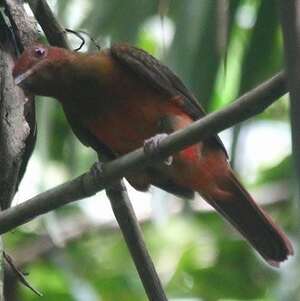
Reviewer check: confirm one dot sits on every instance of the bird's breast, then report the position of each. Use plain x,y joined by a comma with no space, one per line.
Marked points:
124,125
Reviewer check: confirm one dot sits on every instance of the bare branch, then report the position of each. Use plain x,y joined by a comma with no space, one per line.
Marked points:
20,275
132,233
54,32
290,16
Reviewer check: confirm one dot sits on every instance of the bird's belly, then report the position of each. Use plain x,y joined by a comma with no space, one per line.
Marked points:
126,126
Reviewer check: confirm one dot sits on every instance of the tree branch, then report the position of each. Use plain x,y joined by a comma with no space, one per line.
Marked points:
290,16
132,233
54,32
248,105
76,227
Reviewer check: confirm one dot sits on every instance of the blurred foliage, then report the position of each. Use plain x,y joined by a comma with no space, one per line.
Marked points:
276,173
198,256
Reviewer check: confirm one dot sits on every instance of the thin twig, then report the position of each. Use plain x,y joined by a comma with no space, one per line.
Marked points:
250,104
79,36
20,275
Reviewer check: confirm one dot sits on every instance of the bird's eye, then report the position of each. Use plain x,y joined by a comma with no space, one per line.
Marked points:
39,52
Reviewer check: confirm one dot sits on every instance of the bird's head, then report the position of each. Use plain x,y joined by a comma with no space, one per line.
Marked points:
39,69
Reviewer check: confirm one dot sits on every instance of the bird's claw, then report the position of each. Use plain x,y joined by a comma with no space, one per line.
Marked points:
151,147
98,170
94,178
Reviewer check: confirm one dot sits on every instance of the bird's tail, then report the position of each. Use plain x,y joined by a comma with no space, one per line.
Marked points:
238,207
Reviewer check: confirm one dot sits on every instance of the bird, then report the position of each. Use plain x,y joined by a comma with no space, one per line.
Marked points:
119,97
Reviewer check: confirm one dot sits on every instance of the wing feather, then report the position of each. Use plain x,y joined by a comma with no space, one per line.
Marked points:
161,78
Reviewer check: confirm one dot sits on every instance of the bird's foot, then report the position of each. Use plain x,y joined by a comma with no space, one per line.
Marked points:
98,173
93,178
151,147
97,170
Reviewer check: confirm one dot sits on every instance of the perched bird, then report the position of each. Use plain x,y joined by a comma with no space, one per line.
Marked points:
119,97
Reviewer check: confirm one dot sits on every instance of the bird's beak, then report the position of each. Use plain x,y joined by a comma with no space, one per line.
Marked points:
20,79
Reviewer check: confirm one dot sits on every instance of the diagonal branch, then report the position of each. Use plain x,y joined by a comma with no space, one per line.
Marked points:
132,233
250,104
17,116
52,29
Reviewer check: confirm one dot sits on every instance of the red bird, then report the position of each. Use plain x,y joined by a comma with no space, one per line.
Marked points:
119,97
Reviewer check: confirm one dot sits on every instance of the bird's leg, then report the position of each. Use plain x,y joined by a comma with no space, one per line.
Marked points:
151,145
97,175
97,170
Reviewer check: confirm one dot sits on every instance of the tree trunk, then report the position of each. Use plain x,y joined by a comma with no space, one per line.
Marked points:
17,112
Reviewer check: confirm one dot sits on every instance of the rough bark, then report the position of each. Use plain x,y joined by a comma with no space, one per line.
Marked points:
14,129
17,114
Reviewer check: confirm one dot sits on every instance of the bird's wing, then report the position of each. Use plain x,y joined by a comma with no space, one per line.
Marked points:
161,78
86,137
